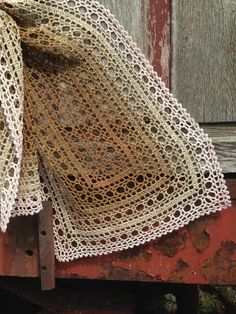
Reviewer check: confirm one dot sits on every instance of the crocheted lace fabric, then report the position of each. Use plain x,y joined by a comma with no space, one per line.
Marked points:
86,122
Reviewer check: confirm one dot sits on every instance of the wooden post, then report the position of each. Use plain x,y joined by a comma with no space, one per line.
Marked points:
46,247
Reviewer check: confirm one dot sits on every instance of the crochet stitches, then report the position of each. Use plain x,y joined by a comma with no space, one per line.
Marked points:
120,158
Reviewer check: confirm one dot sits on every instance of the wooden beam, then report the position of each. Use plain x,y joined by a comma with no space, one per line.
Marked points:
46,247
224,140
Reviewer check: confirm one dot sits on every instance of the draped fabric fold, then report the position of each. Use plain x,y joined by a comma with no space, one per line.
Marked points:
104,139
11,115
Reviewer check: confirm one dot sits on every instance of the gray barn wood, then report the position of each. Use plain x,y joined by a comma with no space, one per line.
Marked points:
132,14
204,42
203,72
224,141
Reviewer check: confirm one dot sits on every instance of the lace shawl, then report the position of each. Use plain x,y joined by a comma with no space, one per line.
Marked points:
86,122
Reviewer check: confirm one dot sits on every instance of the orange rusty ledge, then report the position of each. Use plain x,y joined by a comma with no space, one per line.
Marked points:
202,252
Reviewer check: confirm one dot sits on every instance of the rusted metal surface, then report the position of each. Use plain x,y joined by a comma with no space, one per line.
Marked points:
185,256
121,273
177,274
19,248
198,233
188,255
203,252
221,268
46,247
171,244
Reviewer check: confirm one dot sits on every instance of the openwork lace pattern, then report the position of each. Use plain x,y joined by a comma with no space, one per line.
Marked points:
104,139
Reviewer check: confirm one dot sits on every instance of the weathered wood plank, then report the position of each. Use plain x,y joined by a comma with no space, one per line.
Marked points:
203,37
148,22
224,140
158,12
46,247
133,16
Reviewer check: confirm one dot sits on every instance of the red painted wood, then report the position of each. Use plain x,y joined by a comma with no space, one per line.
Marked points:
159,34
148,263
19,248
46,247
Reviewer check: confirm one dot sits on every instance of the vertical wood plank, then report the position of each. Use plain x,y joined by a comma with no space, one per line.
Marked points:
203,36
148,22
46,247
132,15
159,37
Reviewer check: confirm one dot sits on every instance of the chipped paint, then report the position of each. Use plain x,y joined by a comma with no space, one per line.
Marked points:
178,257
177,261
221,268
19,250
172,243
178,272
159,37
120,273
198,233
187,256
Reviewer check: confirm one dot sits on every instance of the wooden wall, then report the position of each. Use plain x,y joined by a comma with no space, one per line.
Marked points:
204,69
192,46
204,42
148,22
132,14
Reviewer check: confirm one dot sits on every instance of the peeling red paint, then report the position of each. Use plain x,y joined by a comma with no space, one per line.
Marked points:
172,243
177,274
19,248
120,273
198,233
136,252
148,263
178,257
221,269
159,34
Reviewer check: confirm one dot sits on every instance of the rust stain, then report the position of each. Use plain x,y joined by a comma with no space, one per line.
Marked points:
136,252
18,249
172,243
198,234
232,188
221,269
177,274
120,273
159,37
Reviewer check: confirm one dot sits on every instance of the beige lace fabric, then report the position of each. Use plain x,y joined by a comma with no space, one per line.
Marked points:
86,122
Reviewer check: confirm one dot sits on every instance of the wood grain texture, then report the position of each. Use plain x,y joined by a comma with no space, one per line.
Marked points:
203,37
202,75
148,22
224,141
158,13
132,15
